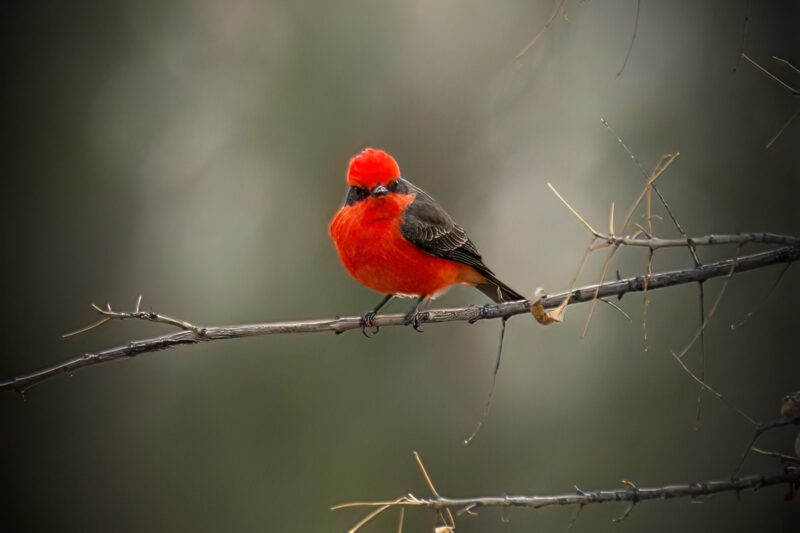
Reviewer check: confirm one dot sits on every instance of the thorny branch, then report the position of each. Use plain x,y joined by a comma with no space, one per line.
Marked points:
629,493
580,497
193,334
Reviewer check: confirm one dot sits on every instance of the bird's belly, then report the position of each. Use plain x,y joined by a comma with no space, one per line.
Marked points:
378,256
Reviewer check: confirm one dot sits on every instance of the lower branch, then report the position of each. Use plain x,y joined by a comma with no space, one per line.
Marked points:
192,334
580,497
630,493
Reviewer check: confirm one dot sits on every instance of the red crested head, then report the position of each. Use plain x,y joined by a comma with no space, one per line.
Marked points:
372,167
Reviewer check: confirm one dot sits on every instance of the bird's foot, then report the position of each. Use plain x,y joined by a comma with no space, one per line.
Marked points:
412,319
368,321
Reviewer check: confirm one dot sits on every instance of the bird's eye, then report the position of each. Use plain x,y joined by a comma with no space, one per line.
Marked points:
356,194
397,186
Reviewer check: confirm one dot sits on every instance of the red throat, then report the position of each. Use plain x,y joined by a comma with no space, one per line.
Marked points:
372,248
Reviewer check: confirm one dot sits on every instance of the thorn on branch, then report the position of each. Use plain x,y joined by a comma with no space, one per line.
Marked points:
151,316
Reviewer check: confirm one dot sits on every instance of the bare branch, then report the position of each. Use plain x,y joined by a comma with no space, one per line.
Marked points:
192,334
580,497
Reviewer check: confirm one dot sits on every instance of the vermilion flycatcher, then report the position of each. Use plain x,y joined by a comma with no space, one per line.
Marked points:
395,239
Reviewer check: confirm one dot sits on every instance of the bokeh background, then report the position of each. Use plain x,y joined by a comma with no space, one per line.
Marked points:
194,152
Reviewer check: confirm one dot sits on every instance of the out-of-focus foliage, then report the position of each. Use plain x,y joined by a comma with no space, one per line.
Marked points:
195,152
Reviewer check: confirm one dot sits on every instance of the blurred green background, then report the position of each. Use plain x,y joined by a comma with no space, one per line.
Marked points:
194,152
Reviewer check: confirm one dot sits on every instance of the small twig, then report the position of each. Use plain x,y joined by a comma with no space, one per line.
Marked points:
618,308
703,321
633,37
145,315
784,254
488,404
761,428
425,474
711,313
574,519
630,505
770,75
787,63
603,273
452,523
744,34
646,297
541,32
661,167
763,300
371,516
712,391
87,328
574,212
780,131
782,456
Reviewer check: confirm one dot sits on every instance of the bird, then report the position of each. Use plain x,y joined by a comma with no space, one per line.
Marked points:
394,238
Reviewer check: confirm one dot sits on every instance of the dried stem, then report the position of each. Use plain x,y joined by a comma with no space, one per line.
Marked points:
772,76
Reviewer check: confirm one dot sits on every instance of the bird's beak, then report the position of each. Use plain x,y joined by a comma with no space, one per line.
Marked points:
379,191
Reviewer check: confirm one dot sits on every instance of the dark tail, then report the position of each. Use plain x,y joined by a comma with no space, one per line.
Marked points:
497,290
